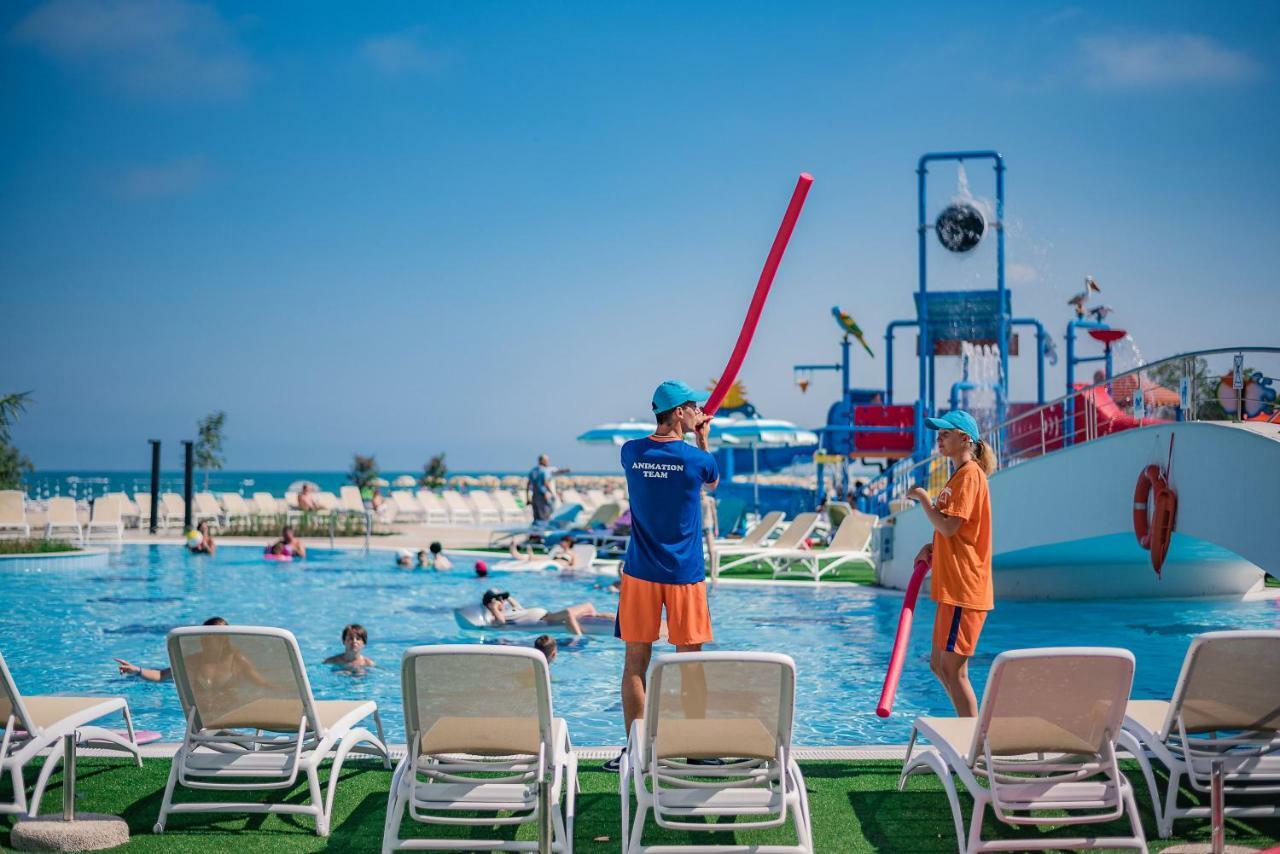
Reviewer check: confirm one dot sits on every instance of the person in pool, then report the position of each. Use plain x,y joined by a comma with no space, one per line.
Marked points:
157,674
960,554
288,544
354,639
205,545
433,557
404,559
502,606
561,552
546,645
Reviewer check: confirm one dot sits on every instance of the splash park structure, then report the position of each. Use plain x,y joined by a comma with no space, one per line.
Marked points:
1068,520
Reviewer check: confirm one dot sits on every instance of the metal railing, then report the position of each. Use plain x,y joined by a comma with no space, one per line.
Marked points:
1196,386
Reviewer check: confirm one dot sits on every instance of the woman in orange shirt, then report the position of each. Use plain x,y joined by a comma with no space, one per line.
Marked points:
960,554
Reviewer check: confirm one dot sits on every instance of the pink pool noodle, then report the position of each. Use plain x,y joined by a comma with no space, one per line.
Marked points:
730,372
900,642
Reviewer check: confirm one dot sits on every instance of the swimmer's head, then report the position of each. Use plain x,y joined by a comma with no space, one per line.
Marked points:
277,549
215,621
546,645
436,548
422,557
482,569
354,636
491,595
286,533
203,528
404,557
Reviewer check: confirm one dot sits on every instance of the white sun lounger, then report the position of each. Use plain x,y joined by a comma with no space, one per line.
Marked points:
173,509
756,536
61,514
13,512
734,706
434,507
106,516
143,500
235,507
205,509
791,539
481,736
253,725
852,541
328,502
512,513
36,724
1044,739
349,501
407,507
569,495
1225,706
459,510
129,512
560,523
487,512
267,506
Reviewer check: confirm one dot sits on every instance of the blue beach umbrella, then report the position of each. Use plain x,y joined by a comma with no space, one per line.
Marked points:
731,433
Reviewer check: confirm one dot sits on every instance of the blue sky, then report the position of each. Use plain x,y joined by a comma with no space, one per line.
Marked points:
480,228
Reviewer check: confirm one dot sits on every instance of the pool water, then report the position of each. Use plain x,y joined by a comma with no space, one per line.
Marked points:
62,623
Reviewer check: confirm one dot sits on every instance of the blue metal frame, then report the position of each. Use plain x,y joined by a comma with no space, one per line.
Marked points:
927,390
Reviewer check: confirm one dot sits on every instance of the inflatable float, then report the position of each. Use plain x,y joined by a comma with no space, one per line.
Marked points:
478,618
517,565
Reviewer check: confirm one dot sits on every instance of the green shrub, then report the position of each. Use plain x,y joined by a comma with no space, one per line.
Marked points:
35,546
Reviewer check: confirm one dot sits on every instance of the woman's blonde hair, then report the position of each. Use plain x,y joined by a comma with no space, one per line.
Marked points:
984,456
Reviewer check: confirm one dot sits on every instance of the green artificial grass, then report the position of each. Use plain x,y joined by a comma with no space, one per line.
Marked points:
35,546
854,805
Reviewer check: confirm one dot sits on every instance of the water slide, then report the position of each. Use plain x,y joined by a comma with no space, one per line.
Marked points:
1063,522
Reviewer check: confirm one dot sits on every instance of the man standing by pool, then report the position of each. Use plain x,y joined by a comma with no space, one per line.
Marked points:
541,489
664,566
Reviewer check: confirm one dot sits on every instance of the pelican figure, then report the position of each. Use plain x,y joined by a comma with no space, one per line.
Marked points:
1077,302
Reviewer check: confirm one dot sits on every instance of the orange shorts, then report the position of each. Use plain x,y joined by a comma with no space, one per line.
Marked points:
956,629
640,605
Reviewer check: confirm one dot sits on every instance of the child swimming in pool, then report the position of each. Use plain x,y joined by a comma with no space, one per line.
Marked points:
352,657
434,558
960,554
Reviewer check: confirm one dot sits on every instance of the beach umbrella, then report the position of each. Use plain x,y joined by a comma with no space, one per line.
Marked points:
405,480
616,434
756,433
297,485
380,482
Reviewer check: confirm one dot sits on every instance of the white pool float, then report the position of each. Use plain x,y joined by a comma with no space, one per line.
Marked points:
478,618
516,565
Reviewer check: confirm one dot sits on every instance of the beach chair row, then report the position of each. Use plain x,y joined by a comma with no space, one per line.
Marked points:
482,737
110,514
790,552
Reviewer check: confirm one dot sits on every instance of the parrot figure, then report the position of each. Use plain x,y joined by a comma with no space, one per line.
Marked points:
1077,302
850,327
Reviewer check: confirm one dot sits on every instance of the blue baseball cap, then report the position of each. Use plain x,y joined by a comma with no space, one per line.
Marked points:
673,393
956,419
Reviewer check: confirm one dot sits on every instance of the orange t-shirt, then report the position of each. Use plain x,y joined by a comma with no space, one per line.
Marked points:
962,562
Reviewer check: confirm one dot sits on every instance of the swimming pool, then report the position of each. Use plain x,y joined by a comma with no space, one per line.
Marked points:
60,626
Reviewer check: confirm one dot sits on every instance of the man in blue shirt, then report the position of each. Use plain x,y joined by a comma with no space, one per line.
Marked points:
664,566
540,493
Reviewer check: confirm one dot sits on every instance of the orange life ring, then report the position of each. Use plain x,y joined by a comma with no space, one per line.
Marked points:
1155,533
